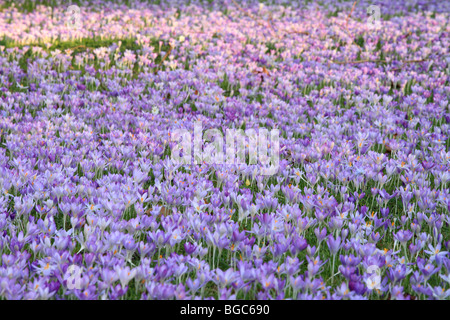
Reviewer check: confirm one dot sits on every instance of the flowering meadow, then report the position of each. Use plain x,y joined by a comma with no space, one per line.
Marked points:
93,205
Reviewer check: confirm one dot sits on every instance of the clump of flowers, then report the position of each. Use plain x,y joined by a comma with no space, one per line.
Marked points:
92,205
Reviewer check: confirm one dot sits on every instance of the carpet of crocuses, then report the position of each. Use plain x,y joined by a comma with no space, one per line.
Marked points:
93,206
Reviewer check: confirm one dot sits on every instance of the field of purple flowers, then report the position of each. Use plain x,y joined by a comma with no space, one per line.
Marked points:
92,205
